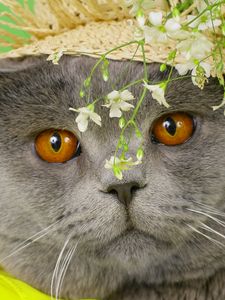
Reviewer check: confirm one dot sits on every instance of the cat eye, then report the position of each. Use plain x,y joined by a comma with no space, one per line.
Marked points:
56,146
173,129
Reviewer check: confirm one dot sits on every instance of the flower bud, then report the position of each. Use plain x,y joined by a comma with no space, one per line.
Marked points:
105,75
172,55
82,93
91,107
163,85
140,153
140,18
163,67
117,172
122,140
122,122
87,82
105,69
138,133
176,13
196,61
125,147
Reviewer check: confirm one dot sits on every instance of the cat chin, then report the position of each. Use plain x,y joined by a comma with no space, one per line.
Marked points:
135,249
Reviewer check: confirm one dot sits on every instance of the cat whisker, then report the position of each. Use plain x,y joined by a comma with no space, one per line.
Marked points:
56,269
37,236
206,236
206,227
208,215
61,269
67,258
64,270
210,209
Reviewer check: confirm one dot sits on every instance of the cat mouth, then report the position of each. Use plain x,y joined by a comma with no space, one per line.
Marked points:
132,230
132,246
133,234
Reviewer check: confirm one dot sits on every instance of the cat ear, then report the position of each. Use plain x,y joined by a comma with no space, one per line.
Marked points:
9,65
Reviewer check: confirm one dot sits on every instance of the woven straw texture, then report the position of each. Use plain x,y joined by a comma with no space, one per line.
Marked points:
76,27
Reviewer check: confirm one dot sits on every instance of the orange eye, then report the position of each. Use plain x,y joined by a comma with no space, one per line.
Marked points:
56,146
173,129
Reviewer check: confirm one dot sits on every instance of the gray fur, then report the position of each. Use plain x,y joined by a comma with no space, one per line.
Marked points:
162,258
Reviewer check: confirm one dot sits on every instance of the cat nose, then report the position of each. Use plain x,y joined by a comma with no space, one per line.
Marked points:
124,191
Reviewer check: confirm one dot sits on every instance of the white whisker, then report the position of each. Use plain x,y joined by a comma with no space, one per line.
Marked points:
206,236
207,215
25,244
55,272
64,270
211,209
61,267
204,226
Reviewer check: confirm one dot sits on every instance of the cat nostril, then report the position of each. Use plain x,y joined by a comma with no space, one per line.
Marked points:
124,191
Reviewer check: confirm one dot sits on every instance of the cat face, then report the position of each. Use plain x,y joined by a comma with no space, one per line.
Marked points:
176,196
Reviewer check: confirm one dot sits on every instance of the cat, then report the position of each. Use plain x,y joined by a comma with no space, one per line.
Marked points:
166,241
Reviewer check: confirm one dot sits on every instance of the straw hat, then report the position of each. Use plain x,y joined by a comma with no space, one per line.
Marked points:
75,27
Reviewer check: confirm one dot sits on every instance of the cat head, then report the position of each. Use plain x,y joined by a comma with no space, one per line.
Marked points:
160,223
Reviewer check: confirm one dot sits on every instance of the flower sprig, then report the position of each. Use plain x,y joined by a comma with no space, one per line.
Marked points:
197,29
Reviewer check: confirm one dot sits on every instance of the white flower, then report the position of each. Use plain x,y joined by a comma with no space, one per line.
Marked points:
55,56
117,102
156,18
200,73
118,165
195,49
204,22
155,35
158,93
159,32
184,68
172,25
191,65
86,113
141,20
197,46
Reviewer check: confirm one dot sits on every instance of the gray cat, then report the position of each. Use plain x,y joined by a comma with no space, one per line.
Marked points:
74,229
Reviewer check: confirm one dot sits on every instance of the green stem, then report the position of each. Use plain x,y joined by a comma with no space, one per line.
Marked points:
171,70
139,104
125,70
121,134
145,79
144,60
131,84
131,121
108,52
102,58
170,74
124,88
210,7
178,78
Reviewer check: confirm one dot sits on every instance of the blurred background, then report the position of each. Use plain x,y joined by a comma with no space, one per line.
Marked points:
3,18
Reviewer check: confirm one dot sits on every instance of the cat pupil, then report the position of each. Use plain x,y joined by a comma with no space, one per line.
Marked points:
170,126
55,141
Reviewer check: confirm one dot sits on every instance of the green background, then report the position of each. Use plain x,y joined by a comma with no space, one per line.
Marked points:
22,33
